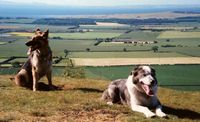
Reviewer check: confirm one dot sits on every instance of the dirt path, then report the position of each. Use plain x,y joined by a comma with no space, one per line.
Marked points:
133,61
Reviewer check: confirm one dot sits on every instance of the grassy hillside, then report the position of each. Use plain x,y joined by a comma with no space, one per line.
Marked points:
78,100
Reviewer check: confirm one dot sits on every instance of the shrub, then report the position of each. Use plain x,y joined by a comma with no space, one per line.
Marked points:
88,49
124,49
155,48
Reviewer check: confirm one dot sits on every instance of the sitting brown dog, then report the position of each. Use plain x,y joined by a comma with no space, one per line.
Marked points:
39,62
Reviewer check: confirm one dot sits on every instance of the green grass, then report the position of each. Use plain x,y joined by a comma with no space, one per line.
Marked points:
79,100
178,34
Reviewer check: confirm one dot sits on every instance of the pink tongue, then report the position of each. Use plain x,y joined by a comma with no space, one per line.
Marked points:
147,90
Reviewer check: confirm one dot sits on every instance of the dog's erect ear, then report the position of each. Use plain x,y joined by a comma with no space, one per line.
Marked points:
45,34
29,43
37,29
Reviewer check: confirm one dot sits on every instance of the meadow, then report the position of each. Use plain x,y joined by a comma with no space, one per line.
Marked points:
77,100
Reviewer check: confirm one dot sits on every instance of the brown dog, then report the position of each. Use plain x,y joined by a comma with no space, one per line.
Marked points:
39,62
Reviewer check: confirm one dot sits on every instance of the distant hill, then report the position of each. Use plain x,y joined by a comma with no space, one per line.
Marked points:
12,10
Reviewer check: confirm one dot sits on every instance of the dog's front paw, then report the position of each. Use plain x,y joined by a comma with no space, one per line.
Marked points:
109,103
34,89
150,115
161,114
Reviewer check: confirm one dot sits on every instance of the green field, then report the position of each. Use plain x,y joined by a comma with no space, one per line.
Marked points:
78,35
178,34
140,35
168,75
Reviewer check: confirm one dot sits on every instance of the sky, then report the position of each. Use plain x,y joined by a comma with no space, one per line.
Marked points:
103,2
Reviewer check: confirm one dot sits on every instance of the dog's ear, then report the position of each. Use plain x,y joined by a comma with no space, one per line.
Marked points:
37,29
136,67
135,80
29,43
45,34
153,71
135,73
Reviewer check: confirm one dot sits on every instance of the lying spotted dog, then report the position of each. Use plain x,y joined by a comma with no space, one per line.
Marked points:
138,91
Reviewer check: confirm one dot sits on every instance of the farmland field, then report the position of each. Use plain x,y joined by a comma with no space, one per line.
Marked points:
171,76
135,61
85,35
178,34
140,35
117,54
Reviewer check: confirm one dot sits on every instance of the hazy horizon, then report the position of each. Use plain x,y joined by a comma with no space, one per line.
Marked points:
105,3
42,8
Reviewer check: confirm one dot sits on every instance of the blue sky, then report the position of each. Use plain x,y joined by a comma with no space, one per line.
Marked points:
103,2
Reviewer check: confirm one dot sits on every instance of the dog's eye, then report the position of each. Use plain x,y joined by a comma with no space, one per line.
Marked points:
145,75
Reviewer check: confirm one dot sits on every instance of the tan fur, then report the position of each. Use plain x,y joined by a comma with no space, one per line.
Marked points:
39,62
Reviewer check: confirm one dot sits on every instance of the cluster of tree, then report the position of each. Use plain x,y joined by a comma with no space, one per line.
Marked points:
65,21
15,18
86,21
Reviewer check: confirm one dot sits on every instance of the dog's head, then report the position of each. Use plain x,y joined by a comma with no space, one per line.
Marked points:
144,78
39,40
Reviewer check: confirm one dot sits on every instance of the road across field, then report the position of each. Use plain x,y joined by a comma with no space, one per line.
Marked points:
134,61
